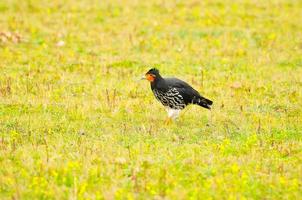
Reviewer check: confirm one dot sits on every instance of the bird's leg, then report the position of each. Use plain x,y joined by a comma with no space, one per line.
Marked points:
172,115
168,121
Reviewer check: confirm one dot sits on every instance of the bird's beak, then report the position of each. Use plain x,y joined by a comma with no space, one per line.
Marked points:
143,78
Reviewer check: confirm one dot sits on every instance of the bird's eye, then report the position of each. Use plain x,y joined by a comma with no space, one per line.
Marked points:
150,77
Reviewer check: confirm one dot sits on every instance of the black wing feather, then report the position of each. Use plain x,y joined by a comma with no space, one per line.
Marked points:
189,94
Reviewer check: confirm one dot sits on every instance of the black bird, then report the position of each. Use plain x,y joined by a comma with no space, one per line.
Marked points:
174,93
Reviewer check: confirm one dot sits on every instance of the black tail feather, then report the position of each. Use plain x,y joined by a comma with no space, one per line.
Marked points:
203,102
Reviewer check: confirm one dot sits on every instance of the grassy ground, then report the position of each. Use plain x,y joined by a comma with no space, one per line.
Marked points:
76,124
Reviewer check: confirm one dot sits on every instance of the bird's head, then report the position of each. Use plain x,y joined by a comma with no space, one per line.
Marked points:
152,74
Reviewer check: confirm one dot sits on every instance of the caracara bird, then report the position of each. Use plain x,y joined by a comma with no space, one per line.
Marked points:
174,94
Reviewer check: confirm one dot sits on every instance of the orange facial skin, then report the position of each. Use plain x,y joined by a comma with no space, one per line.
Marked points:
150,77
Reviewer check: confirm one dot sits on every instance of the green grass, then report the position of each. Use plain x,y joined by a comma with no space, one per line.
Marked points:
76,124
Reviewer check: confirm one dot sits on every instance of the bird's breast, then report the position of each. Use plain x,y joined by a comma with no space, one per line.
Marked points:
171,98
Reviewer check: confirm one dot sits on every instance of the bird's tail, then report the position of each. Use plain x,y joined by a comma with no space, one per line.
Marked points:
204,102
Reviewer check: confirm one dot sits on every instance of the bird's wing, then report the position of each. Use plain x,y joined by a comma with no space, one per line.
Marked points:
188,93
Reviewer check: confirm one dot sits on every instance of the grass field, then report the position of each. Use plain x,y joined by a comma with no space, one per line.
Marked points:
76,124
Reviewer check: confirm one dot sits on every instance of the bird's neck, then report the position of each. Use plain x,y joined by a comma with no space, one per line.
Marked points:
159,83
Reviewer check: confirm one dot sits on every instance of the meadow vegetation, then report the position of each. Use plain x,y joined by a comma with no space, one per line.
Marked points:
75,122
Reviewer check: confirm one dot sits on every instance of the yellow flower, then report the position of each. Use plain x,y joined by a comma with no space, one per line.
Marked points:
235,168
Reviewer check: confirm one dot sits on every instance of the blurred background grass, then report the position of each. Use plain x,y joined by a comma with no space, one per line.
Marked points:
76,124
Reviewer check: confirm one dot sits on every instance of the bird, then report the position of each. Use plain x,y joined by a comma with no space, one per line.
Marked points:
174,94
